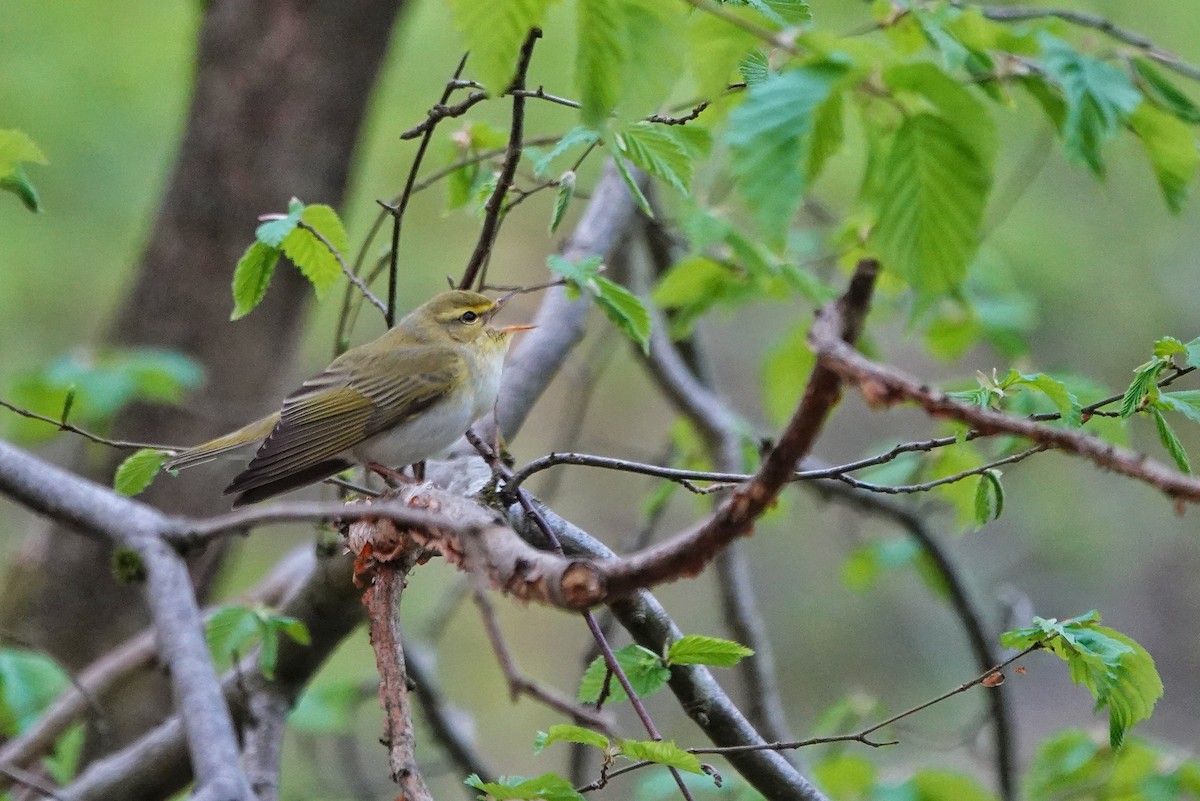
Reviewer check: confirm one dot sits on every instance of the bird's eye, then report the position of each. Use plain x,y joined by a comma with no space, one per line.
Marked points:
469,317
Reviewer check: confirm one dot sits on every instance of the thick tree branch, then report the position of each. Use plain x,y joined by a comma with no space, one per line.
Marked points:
97,511
886,386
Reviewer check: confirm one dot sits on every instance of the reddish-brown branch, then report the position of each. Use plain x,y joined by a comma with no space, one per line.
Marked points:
382,600
885,386
688,552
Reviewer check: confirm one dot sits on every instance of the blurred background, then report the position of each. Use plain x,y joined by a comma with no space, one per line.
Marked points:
1107,270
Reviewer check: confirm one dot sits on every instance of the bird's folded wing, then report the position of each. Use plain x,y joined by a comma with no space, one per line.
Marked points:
326,417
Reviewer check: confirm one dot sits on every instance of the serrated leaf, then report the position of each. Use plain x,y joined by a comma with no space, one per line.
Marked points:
1098,97
1160,90
314,261
1171,147
494,33
696,649
662,753
611,36
754,67
1118,672
1168,346
658,150
1186,402
252,277
717,48
989,497
783,12
1063,399
625,310
623,170
324,219
1170,440
934,187
138,471
770,138
547,787
644,669
579,135
1144,379
581,274
562,199
563,733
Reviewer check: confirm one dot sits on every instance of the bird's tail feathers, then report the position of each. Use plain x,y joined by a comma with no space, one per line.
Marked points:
252,434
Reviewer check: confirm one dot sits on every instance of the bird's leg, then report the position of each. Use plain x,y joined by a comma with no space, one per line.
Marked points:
393,478
418,469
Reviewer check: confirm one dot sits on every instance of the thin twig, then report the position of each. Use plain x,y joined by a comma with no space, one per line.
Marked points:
1095,22
493,209
768,36
398,208
354,279
30,780
61,425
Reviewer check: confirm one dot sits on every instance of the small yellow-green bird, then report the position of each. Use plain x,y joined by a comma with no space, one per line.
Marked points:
396,401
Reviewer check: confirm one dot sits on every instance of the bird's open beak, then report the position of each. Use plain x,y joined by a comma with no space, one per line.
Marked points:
511,329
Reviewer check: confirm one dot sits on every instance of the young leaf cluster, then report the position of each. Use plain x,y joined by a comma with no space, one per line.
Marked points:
233,630
649,672
1144,395
1118,672
312,237
621,306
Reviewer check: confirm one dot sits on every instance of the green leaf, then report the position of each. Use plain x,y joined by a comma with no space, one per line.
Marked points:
1186,402
313,259
782,12
1145,378
579,135
645,670
662,753
696,649
770,135
563,733
494,33
623,170
17,182
625,311
755,68
613,38
845,776
1098,96
1058,393
273,232
1158,89
1170,440
864,565
1192,353
1168,346
716,49
137,471
231,630
562,199
29,682
252,277
989,497
934,188
658,150
786,368
15,148
924,88
328,707
1171,147
1115,669
548,787
324,219
620,305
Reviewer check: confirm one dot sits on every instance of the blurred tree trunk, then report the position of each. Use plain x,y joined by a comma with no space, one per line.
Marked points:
280,93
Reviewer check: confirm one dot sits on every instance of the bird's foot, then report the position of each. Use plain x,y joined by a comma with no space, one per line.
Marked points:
393,478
